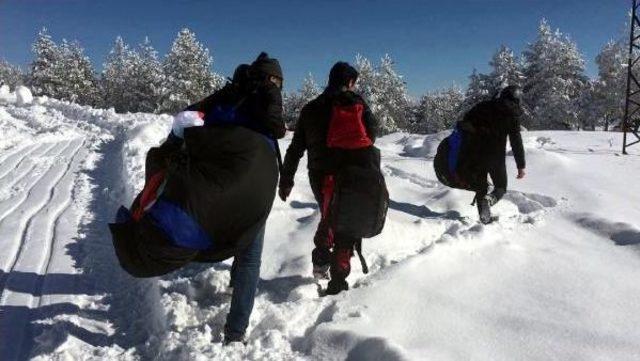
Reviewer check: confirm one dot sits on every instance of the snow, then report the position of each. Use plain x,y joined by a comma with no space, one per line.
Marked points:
23,96
555,278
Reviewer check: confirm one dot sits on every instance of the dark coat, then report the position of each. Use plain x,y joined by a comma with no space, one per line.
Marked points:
489,124
311,135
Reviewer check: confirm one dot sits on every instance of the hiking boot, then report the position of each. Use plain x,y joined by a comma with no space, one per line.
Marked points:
321,272
231,337
336,286
484,211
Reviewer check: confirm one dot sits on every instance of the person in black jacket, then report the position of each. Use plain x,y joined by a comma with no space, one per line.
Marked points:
332,251
224,194
488,125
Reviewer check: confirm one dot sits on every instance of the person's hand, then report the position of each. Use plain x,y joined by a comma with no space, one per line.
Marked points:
284,192
521,173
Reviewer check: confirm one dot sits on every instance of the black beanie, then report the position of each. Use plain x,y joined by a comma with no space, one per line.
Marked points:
340,75
268,66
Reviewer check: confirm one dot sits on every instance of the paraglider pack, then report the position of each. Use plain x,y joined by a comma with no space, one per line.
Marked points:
359,198
200,202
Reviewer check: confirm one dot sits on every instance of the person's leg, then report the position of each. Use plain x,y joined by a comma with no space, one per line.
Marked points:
246,274
481,187
323,238
341,264
498,175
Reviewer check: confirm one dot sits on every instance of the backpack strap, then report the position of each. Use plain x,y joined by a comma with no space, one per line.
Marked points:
363,262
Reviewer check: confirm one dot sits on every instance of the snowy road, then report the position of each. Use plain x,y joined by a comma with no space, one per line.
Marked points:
38,182
555,278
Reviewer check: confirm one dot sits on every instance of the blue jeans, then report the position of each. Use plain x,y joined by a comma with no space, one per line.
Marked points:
244,279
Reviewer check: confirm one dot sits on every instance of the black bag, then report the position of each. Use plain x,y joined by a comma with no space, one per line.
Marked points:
360,202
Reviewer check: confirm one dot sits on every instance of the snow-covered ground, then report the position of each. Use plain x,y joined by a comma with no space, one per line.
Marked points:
555,278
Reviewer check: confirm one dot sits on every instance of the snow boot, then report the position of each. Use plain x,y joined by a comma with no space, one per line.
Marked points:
484,211
336,286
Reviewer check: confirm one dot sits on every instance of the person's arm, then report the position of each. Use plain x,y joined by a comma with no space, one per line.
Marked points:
371,123
292,158
515,139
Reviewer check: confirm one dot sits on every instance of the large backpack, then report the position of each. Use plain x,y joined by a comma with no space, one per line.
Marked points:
458,161
360,199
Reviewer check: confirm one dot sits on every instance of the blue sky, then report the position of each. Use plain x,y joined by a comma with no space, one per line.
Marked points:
434,43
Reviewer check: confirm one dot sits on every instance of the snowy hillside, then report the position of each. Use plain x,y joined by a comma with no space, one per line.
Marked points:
555,278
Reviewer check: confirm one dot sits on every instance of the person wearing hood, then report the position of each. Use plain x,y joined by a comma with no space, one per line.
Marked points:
210,188
332,252
486,128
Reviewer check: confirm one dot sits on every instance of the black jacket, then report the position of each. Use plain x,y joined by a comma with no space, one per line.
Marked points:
311,135
490,123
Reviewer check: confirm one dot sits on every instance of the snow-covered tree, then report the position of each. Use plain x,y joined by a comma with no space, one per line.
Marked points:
10,75
294,102
385,92
480,88
437,111
610,88
147,79
187,69
507,70
554,71
117,77
44,76
77,78
393,98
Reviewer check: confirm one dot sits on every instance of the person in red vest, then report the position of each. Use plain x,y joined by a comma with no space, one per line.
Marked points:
337,129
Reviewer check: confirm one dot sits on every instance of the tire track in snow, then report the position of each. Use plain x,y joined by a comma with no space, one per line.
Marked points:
40,190
20,174
8,206
35,242
65,191
11,164
13,151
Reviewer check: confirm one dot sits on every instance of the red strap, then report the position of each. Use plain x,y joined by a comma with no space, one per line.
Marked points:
149,195
328,188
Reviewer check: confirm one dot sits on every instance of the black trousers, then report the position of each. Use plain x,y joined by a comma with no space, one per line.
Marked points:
497,170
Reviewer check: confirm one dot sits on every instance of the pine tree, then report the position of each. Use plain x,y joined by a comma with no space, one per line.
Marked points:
147,79
437,111
385,92
44,74
506,70
117,77
610,88
554,70
393,97
188,74
10,75
480,88
77,78
294,102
